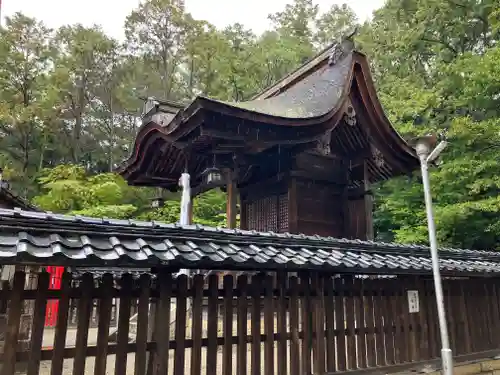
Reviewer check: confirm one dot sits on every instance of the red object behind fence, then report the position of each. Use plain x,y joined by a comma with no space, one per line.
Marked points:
53,305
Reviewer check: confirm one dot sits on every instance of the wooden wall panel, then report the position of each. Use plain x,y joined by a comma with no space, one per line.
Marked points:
356,219
319,209
267,214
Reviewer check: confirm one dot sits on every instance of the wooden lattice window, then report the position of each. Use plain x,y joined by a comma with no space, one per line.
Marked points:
283,213
268,214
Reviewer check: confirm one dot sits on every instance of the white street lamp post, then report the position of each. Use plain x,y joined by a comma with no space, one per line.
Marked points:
423,147
185,218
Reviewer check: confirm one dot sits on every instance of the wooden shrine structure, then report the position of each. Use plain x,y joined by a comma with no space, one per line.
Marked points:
305,289
302,155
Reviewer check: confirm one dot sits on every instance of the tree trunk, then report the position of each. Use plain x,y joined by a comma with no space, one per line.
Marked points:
111,135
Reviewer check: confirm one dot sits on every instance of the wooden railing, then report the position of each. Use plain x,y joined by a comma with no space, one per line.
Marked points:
259,325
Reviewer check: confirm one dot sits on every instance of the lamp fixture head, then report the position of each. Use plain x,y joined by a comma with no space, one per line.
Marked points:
437,151
424,144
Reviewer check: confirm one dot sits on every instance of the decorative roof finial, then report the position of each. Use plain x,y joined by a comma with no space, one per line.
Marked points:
352,34
149,104
342,48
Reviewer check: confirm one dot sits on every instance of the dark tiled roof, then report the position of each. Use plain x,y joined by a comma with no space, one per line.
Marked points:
14,200
45,238
297,73
314,96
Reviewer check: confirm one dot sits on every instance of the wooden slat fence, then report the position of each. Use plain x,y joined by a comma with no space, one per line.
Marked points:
311,323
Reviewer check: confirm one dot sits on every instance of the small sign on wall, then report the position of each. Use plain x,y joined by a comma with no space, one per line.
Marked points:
413,303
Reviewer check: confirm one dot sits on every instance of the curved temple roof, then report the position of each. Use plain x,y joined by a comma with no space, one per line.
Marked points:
315,96
309,103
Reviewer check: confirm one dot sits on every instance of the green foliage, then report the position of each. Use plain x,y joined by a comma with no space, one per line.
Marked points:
441,78
68,189
169,213
334,24
25,107
296,20
208,209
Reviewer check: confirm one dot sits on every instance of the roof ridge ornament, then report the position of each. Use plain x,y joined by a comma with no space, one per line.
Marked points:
343,48
149,104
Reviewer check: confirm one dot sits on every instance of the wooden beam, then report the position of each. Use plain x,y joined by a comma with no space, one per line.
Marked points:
231,200
358,193
346,217
243,214
293,219
368,203
263,135
272,186
360,157
338,179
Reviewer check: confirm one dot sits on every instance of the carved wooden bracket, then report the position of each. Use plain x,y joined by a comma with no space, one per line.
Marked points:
323,144
350,116
378,157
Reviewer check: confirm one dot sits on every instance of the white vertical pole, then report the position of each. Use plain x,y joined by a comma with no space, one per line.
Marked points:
185,199
446,354
185,218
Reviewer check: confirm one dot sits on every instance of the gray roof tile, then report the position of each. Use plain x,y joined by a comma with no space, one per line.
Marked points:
47,238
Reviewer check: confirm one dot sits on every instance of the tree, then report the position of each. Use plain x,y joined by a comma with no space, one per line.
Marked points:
414,37
156,33
276,56
114,112
441,77
334,24
83,58
208,55
239,67
297,20
25,106
69,189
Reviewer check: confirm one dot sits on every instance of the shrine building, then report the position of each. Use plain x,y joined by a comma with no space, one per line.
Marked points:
300,157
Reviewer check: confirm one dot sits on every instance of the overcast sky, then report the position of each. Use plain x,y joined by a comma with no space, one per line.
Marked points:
110,14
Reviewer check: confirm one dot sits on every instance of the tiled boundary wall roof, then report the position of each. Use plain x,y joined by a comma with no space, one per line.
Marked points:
53,239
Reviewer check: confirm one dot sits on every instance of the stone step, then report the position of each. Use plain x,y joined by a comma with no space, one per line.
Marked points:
488,367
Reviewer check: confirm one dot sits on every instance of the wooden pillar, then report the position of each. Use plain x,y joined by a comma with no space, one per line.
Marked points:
243,214
346,218
368,197
231,196
293,214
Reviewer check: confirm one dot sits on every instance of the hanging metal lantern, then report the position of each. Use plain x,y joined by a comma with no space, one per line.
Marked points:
157,202
213,177
4,184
